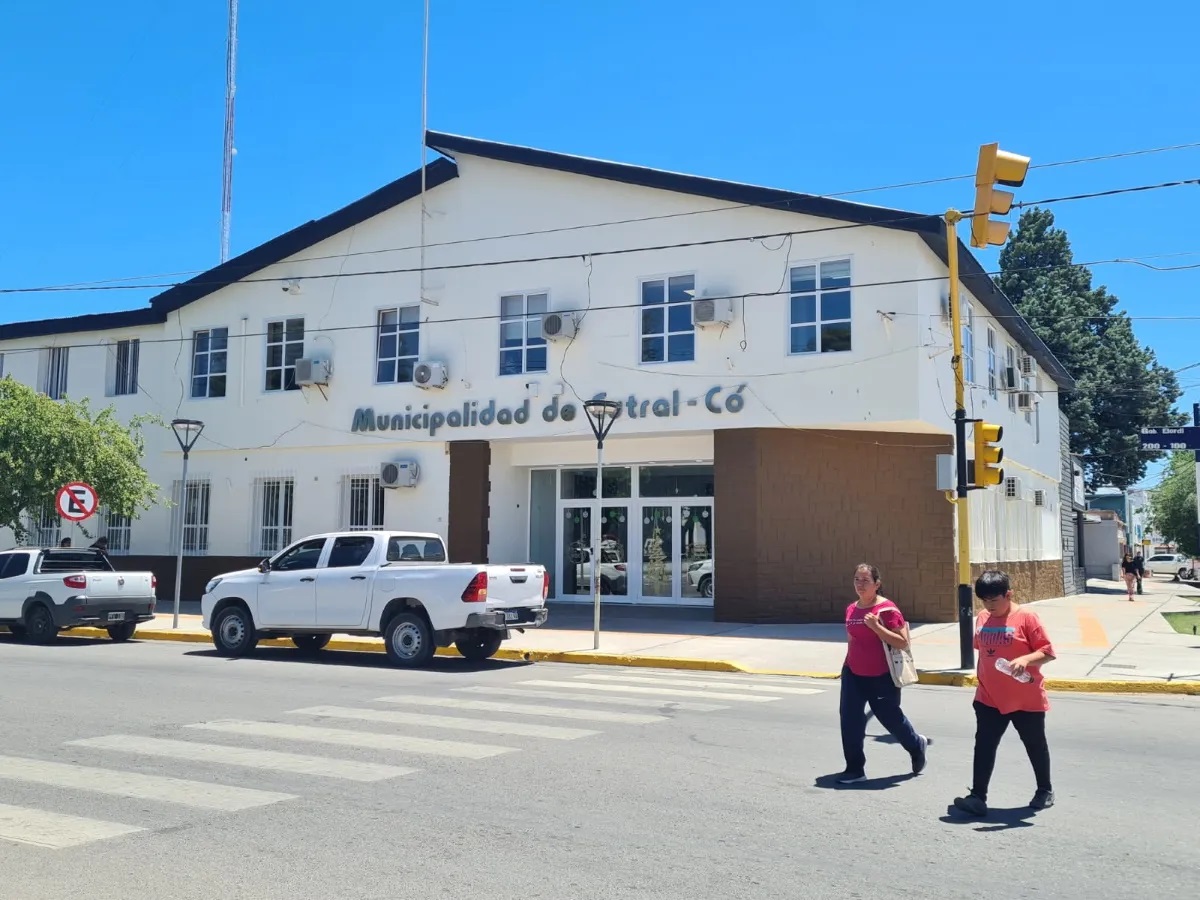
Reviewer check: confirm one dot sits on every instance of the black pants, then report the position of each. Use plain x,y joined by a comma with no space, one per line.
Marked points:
881,693
990,725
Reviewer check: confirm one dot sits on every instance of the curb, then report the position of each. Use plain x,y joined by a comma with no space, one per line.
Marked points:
597,658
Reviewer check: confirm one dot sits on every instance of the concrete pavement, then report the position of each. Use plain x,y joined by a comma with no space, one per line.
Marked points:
162,770
1105,643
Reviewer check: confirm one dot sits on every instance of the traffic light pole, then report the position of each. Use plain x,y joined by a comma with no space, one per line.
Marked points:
966,601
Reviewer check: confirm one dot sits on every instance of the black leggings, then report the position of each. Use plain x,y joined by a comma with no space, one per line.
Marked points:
990,725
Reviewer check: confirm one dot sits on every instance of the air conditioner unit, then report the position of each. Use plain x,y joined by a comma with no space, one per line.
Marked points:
558,327
398,474
1039,498
708,311
312,371
1012,488
1025,401
1028,366
429,375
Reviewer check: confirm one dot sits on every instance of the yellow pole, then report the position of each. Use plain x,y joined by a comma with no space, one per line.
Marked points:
966,605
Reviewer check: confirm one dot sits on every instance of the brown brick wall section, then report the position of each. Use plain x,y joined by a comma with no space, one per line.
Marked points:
1031,579
797,509
470,488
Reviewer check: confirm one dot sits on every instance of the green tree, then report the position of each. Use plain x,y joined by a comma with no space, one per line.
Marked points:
1120,385
46,443
1173,503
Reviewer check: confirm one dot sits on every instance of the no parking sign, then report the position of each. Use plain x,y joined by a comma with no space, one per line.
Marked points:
76,501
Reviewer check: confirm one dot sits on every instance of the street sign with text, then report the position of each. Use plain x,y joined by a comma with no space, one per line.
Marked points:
1187,438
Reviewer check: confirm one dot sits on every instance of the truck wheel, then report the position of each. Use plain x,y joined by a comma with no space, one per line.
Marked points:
482,644
311,643
122,632
233,631
39,625
409,640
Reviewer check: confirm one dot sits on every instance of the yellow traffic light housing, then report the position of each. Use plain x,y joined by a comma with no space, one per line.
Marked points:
996,166
988,455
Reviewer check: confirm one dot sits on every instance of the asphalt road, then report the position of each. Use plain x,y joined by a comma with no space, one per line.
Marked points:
159,770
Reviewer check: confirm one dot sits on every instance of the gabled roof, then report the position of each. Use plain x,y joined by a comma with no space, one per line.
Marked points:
928,228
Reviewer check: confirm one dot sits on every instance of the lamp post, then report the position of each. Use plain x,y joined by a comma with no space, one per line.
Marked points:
187,432
601,415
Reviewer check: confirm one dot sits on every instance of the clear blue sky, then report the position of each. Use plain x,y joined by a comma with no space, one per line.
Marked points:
111,151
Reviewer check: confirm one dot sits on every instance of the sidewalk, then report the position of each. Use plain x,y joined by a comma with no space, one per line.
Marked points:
1104,642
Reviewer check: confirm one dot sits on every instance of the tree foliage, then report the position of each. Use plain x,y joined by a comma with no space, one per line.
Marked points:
1173,503
1120,385
46,443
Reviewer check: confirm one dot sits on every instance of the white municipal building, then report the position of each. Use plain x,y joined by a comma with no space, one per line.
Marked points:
782,363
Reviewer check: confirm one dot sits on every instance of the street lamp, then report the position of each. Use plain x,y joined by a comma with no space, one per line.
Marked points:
601,415
187,432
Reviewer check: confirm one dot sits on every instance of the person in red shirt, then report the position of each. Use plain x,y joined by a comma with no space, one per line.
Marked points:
1006,632
866,679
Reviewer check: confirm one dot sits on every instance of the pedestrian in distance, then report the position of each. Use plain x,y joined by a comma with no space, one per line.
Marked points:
871,622
1129,573
1013,646
1139,571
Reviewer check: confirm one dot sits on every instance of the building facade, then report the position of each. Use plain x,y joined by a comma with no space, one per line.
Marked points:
782,362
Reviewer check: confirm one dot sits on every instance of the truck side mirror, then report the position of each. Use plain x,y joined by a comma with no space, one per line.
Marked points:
264,566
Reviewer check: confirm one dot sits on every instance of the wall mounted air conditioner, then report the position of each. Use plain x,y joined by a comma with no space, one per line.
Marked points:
1028,366
313,371
1039,498
712,311
1025,401
430,375
558,326
1012,488
398,474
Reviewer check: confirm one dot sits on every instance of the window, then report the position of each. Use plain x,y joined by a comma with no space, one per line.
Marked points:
194,510
820,310
13,565
1027,385
54,372
363,503
991,362
305,555
273,529
350,552
1,365
210,357
398,344
1010,369
118,530
968,343
123,368
405,548
522,348
285,345
667,331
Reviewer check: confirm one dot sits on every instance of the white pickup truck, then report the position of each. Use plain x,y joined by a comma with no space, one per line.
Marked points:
45,591
394,584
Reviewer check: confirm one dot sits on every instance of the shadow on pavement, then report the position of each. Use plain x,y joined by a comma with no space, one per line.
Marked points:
995,820
829,782
440,665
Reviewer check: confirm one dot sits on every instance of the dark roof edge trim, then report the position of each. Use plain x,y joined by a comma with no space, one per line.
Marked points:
108,321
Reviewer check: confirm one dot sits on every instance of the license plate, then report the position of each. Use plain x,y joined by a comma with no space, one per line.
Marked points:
116,616
510,615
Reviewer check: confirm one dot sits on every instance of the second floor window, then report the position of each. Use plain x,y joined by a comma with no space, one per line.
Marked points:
398,344
125,357
820,307
522,348
668,334
968,343
991,363
285,345
210,360
54,372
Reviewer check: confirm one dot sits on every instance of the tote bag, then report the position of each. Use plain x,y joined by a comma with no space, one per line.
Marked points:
900,664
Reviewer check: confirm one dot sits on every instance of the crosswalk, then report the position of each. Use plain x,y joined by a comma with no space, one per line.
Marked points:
400,731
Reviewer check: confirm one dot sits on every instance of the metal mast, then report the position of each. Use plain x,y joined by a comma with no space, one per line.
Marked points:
230,92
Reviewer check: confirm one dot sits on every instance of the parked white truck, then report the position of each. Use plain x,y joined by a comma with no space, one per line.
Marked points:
45,591
394,584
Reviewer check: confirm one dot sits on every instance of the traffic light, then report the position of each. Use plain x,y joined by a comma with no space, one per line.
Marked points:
996,166
988,455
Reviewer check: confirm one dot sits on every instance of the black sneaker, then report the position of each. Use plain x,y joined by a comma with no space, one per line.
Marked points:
972,804
852,778
918,758
1042,800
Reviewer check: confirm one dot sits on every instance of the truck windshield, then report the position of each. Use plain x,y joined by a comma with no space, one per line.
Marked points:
80,560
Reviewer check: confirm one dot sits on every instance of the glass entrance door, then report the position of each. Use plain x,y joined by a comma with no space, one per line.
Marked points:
576,548
677,565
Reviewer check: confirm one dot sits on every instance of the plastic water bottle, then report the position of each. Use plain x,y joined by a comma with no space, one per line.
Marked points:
1004,666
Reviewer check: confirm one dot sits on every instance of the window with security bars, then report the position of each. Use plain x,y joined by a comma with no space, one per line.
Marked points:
193,509
363,503
45,527
273,528
54,372
118,530
124,378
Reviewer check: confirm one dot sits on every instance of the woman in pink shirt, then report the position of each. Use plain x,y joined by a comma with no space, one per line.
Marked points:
1006,632
866,679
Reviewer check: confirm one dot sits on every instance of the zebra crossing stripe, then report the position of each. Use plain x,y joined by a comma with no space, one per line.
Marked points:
55,831
368,740
527,709
486,726
661,692
636,702
680,682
